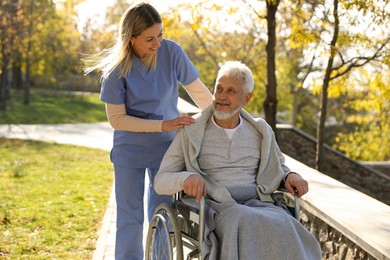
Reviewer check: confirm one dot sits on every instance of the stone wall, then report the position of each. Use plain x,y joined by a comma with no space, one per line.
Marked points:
334,245
383,167
302,147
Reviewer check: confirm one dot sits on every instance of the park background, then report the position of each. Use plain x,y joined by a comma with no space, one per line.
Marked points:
321,66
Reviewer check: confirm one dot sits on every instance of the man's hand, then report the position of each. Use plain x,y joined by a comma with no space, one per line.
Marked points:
195,186
295,184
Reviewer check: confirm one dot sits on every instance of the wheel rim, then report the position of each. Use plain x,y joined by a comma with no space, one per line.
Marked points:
164,237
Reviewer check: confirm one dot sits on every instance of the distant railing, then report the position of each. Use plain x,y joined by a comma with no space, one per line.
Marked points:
302,147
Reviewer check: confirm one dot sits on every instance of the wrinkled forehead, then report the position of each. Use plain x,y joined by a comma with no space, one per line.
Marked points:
232,81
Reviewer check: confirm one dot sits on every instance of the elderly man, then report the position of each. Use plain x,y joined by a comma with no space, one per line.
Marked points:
234,160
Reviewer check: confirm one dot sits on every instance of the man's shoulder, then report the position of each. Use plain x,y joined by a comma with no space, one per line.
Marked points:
246,115
201,120
204,115
259,122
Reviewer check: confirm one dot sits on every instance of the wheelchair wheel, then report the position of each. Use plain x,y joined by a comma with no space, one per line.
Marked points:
164,240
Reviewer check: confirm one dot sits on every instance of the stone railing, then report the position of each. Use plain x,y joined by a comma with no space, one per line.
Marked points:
379,166
302,147
347,223
334,245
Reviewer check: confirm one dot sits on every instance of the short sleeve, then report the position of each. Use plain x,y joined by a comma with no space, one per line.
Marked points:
113,89
186,70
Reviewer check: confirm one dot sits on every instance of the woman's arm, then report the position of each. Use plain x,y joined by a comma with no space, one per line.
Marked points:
199,93
119,120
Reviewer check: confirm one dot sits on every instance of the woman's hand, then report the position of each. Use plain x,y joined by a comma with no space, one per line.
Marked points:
177,123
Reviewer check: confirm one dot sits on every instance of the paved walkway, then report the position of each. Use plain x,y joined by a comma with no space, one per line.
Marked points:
97,135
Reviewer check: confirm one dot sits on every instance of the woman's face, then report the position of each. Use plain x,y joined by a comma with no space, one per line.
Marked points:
147,43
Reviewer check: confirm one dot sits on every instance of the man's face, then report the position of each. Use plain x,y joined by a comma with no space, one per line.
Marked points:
230,97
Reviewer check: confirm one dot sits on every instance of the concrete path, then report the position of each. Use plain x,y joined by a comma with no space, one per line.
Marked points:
97,135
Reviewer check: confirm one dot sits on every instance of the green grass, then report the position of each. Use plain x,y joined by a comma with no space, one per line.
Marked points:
53,108
52,199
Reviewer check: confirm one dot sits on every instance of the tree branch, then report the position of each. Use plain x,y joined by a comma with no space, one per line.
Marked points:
254,9
213,58
356,62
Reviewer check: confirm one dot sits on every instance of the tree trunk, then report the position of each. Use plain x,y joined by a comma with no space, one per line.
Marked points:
295,107
27,84
4,72
3,86
17,80
324,96
270,102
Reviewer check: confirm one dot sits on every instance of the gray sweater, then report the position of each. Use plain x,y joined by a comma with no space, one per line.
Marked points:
181,160
231,161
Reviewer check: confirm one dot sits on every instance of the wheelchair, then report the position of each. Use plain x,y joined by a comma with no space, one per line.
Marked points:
178,226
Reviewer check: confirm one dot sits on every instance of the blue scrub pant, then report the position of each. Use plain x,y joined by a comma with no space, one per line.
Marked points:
129,191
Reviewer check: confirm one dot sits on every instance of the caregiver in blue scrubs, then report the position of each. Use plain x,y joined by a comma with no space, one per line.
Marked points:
140,76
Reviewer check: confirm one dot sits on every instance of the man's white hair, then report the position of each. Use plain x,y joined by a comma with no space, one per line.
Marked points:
238,70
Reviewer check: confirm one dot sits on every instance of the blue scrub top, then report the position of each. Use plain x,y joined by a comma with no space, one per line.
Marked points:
149,94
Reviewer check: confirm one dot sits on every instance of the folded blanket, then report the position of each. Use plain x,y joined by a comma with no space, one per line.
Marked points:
254,230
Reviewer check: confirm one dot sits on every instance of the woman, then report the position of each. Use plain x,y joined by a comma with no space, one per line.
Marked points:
140,75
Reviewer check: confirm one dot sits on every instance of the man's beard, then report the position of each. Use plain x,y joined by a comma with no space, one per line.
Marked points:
221,115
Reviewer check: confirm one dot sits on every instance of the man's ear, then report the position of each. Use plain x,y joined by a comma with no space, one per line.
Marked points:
247,98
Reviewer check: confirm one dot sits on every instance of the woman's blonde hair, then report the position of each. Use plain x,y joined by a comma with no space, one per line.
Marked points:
134,21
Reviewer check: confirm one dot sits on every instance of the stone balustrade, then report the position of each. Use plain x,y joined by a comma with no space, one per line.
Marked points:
302,147
348,223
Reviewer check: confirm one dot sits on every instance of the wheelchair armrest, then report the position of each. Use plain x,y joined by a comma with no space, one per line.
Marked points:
297,206
296,199
201,221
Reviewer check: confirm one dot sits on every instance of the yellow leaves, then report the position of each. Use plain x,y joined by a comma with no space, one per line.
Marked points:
370,138
371,144
195,26
373,94
350,137
317,87
217,7
300,36
299,85
232,10
337,89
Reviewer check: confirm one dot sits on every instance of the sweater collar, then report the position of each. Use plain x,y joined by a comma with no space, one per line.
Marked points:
196,130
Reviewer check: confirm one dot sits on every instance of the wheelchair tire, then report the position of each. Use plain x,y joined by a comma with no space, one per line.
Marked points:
164,225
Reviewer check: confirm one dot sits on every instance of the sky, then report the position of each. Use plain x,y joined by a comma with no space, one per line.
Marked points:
96,8
91,8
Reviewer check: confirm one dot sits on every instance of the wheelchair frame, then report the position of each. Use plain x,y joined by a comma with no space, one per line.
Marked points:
169,229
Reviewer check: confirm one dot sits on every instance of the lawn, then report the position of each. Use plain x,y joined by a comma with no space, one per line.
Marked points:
52,197
53,108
